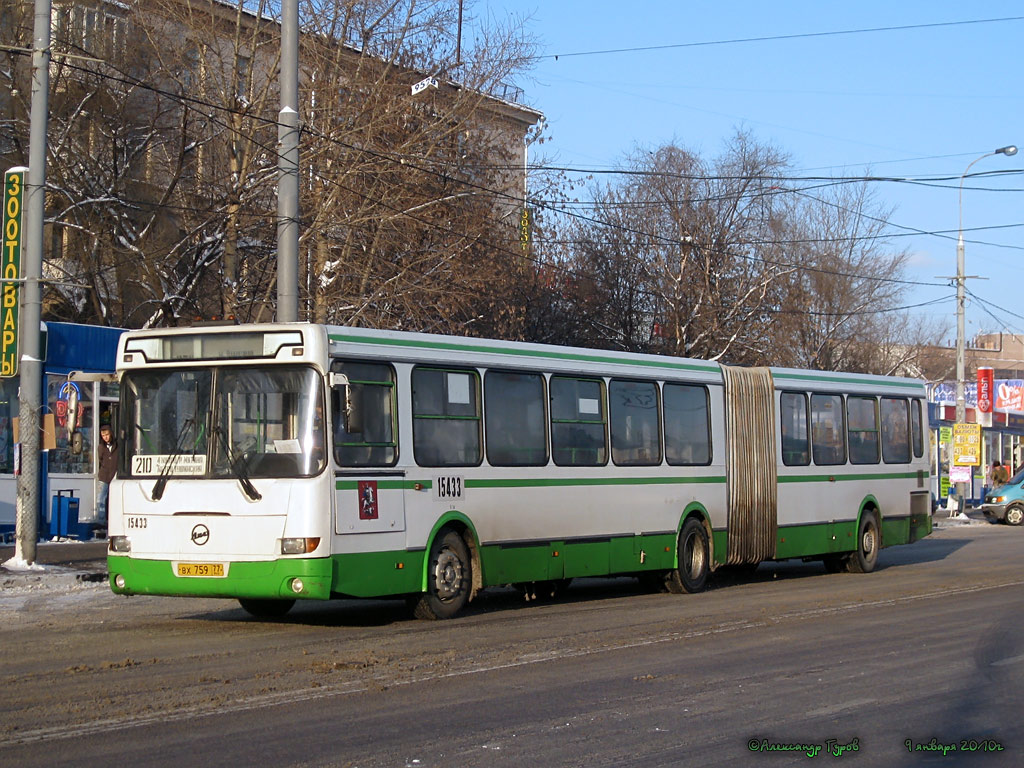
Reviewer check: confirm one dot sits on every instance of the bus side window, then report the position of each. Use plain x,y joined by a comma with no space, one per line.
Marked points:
687,425
916,428
367,408
795,443
828,430
635,421
446,417
862,420
895,430
578,422
515,419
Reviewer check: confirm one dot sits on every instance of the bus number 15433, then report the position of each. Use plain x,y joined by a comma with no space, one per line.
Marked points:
449,487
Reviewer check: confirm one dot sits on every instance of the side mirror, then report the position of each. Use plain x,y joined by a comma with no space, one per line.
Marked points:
349,399
353,408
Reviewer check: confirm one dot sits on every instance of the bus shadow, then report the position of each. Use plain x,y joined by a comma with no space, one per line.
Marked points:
924,551
358,613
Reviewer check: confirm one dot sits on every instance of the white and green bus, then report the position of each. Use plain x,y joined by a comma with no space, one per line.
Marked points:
270,463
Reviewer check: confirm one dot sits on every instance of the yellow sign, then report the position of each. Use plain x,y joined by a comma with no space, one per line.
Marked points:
14,187
525,229
966,445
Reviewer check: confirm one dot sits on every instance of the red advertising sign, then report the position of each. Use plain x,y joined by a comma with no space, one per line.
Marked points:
986,395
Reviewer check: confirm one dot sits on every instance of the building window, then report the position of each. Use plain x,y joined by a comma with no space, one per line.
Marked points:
61,460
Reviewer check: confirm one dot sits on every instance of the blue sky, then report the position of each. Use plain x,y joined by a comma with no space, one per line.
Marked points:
907,103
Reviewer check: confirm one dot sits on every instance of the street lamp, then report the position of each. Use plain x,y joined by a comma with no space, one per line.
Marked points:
961,404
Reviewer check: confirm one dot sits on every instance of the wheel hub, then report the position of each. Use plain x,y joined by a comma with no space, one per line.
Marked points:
868,543
448,575
693,557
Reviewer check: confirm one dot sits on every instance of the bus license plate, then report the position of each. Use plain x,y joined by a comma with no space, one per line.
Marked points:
209,570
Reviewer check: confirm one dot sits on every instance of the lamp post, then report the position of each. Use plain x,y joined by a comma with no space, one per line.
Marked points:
961,403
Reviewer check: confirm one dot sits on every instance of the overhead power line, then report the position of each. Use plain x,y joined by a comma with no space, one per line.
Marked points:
769,38
419,165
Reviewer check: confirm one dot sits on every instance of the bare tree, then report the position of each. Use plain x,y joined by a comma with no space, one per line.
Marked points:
682,253
163,162
841,299
424,180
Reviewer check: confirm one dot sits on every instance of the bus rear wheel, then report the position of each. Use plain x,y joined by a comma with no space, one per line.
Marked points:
266,609
869,541
694,560
449,576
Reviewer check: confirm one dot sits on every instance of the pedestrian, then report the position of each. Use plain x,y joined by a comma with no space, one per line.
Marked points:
1000,474
107,469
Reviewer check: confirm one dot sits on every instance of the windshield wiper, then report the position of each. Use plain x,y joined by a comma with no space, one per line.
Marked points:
161,481
239,465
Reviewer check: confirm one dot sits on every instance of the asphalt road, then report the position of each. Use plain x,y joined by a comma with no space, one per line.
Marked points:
925,652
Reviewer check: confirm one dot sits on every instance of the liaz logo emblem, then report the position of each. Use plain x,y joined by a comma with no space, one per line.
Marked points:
200,535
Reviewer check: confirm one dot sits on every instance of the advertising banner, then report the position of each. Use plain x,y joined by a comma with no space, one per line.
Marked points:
966,445
986,395
14,191
1008,394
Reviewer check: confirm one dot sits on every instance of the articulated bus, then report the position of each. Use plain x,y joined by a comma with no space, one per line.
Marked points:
276,462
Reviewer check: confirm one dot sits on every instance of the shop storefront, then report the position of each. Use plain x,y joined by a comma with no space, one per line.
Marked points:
68,347
1003,441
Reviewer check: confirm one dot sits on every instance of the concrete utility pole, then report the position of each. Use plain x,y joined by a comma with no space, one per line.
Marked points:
961,340
288,167
31,364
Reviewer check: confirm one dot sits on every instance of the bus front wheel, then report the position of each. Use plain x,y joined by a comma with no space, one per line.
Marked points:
694,560
869,541
449,577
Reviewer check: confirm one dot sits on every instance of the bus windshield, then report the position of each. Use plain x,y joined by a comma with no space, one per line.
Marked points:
223,422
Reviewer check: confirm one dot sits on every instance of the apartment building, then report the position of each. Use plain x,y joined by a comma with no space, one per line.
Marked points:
163,162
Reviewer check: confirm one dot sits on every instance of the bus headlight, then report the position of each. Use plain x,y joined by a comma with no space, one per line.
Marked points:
120,544
299,546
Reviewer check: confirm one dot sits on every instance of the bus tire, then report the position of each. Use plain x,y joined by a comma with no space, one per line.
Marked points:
1014,514
869,541
449,578
694,560
265,609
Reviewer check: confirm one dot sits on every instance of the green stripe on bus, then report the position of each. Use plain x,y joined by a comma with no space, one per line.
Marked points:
384,485
840,379
458,347
550,482
844,478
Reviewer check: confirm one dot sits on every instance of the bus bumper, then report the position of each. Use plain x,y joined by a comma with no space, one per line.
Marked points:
308,579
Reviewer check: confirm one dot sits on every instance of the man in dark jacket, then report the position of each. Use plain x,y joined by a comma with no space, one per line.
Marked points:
107,469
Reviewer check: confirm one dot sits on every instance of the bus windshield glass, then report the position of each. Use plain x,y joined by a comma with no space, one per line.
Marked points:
224,422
